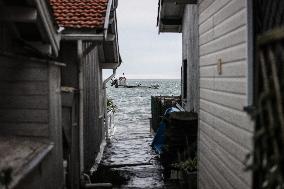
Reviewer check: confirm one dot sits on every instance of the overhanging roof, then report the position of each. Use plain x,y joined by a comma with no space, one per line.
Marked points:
170,14
31,22
109,50
80,13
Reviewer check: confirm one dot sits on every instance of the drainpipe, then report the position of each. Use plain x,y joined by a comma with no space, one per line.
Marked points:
109,78
105,101
81,102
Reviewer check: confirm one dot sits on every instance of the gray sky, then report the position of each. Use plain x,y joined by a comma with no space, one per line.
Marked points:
145,54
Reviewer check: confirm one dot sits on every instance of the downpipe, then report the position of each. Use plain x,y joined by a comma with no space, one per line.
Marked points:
81,102
105,102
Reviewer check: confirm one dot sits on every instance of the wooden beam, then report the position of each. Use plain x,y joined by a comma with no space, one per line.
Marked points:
18,14
171,21
47,21
109,65
110,37
43,48
107,17
182,1
83,37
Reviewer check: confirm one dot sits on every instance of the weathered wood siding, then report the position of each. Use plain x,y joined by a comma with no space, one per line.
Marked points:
190,54
70,112
93,128
5,37
30,106
225,130
24,103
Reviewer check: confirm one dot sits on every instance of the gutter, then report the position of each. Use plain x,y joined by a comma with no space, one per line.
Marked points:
41,6
109,5
105,100
109,78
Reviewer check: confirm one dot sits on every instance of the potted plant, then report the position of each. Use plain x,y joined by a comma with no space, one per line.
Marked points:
187,172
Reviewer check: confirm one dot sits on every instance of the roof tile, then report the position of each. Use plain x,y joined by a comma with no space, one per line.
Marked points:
79,13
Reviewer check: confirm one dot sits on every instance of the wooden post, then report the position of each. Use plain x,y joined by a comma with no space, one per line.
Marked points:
81,102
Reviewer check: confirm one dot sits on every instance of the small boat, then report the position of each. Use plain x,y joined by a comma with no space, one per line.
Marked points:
121,83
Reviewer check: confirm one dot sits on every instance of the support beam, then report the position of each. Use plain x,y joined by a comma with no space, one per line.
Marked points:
87,37
83,37
171,21
43,48
109,65
45,16
18,14
107,17
181,1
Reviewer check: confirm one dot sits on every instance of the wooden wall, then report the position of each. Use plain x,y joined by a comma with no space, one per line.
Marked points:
24,91
30,109
70,112
93,128
225,130
190,54
30,106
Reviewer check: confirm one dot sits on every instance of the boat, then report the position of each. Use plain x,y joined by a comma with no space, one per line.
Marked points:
121,83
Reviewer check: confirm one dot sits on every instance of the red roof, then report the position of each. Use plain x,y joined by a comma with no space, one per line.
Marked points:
79,13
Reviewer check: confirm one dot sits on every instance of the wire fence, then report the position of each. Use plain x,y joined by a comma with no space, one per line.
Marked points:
268,153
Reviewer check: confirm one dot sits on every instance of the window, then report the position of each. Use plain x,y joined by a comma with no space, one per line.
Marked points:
184,78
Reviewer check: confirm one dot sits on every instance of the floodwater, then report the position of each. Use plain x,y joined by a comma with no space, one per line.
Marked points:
129,150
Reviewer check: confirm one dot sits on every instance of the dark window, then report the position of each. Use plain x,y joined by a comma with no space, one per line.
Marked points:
184,78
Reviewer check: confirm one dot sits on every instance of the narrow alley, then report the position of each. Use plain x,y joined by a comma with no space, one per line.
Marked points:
131,142
141,94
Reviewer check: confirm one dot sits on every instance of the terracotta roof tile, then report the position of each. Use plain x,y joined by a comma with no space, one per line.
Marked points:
79,13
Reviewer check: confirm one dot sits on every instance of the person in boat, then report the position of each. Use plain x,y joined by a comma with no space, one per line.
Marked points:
114,82
122,81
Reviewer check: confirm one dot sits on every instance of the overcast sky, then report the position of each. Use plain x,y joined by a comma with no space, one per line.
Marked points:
145,53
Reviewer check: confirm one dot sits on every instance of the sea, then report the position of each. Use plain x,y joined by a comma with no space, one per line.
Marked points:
132,138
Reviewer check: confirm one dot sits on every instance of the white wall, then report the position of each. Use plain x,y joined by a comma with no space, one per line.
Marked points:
225,130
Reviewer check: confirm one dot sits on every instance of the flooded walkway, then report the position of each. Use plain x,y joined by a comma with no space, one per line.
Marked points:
129,152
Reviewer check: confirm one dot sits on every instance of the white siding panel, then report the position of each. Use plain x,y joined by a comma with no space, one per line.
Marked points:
230,100
232,8
216,174
212,9
206,26
223,141
236,134
231,24
206,37
232,39
235,117
230,168
233,85
234,22
232,54
225,130
208,181
235,69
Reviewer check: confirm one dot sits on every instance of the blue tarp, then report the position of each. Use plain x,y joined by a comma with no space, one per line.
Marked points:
159,139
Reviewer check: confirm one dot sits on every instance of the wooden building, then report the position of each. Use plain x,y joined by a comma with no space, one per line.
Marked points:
87,47
30,104
219,79
52,94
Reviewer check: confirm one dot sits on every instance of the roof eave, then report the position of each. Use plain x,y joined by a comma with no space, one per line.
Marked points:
107,17
110,55
170,15
46,16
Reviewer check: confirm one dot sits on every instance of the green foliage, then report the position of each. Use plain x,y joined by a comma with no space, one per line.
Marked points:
111,107
187,166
